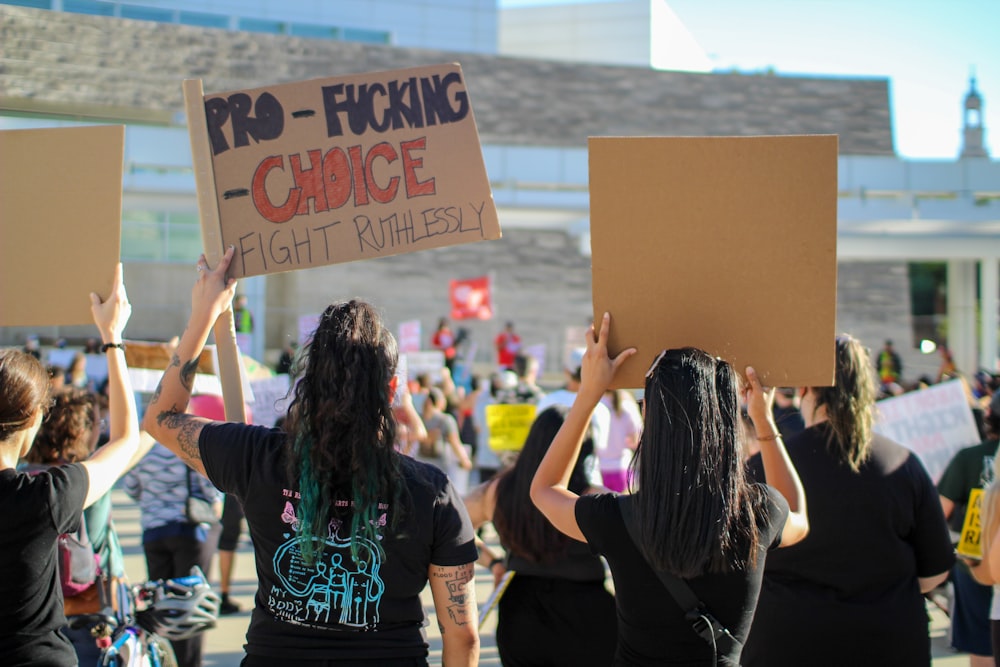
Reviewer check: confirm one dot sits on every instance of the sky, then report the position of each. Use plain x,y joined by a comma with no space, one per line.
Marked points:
928,49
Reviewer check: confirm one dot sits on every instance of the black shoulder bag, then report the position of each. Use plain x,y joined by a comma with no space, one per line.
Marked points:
704,624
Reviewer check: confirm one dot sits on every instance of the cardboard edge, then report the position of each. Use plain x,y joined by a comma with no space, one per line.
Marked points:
211,237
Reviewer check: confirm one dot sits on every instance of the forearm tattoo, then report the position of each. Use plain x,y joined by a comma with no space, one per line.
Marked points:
187,374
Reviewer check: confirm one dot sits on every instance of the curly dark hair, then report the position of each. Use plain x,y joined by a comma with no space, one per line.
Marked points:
67,434
341,428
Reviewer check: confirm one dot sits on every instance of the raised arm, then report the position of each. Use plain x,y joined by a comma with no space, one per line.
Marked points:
111,460
778,469
454,593
166,418
550,487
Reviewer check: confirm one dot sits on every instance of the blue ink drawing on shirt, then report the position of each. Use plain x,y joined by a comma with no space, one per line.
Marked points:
335,588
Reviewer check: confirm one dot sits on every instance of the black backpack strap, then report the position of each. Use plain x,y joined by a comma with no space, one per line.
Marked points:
702,621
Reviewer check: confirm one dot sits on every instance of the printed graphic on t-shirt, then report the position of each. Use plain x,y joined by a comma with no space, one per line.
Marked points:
335,589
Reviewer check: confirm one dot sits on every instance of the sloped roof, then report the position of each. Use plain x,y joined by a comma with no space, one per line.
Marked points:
74,64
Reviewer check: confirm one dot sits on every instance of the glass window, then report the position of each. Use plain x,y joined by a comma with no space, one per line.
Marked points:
314,31
261,25
143,242
183,241
36,4
204,20
366,36
147,14
95,7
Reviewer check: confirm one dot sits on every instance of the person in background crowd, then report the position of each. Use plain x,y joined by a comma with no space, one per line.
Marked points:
624,430
947,370
346,531
57,377
987,569
443,339
556,609
242,317
787,415
970,468
32,347
507,344
600,419
527,389
695,517
851,593
442,446
76,376
287,358
160,484
40,507
890,366
212,406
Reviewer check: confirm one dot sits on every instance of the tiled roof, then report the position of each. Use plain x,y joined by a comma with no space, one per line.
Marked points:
115,68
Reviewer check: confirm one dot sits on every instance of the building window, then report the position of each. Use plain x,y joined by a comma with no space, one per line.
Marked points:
366,36
95,7
314,31
147,14
262,25
203,20
34,4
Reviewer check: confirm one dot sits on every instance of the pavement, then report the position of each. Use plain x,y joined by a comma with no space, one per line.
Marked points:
224,644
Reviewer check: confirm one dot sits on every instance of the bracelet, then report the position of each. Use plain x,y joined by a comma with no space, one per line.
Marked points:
773,436
111,346
494,562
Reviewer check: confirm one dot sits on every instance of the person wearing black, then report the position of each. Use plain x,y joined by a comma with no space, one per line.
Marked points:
556,609
851,592
695,519
346,530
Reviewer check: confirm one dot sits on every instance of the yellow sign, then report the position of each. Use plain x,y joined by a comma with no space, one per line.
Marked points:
509,425
970,545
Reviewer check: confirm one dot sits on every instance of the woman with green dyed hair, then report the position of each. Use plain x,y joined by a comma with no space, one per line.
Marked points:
346,531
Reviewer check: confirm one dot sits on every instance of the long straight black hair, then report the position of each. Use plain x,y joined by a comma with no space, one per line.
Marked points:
524,530
695,509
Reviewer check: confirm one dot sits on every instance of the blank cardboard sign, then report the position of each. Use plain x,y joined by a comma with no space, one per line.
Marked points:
60,222
344,168
728,244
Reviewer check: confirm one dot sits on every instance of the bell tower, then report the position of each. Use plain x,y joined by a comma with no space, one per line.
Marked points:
972,126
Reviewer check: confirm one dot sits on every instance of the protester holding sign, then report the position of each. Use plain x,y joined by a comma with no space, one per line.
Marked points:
986,570
851,592
40,507
556,610
347,531
969,472
695,522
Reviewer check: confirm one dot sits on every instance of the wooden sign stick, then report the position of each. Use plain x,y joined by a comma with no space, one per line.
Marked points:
211,237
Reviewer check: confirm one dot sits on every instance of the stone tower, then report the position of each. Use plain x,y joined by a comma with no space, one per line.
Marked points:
972,126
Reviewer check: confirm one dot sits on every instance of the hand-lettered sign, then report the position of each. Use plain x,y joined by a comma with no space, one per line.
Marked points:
60,222
341,169
934,423
970,543
728,244
509,424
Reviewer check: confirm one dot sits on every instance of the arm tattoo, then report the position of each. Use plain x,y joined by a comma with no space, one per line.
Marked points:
187,374
188,429
460,594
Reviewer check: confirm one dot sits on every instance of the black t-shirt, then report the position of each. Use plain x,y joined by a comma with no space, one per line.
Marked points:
848,593
335,608
652,629
37,508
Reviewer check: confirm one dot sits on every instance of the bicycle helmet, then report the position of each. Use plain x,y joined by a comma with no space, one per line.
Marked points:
182,607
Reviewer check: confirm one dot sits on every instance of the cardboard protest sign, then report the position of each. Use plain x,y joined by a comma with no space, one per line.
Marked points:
728,244
970,542
60,222
344,168
934,423
509,424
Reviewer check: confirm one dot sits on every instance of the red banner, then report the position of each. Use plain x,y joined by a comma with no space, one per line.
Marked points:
471,299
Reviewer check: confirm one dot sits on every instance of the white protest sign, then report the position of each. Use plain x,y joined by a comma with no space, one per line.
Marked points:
428,361
270,399
409,336
934,423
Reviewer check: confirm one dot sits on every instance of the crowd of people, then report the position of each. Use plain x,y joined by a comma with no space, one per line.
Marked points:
740,524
